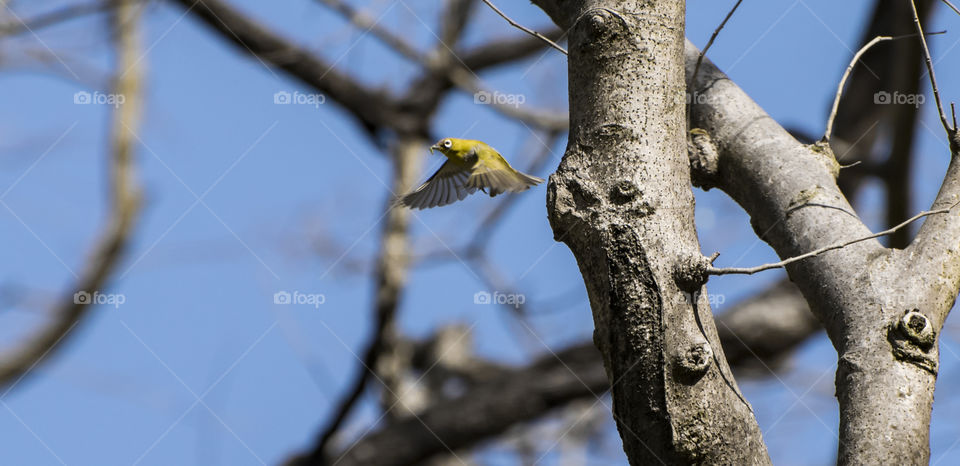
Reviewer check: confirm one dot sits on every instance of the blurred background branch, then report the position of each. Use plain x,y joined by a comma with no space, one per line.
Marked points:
16,362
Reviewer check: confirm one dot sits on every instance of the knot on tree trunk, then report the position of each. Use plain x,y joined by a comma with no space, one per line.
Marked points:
690,272
693,363
912,338
704,159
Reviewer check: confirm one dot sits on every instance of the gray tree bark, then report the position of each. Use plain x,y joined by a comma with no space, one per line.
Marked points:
621,200
882,308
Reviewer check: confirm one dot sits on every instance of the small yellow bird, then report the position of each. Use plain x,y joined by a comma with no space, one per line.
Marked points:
470,165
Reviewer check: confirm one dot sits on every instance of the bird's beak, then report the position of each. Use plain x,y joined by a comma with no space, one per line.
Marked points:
434,147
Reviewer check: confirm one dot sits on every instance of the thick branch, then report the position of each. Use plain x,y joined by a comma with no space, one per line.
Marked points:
760,332
442,64
755,333
860,292
486,411
503,51
789,189
373,109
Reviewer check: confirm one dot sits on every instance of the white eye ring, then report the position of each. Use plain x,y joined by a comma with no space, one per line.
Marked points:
447,143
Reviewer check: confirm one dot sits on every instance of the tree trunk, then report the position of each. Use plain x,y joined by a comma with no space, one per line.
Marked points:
621,200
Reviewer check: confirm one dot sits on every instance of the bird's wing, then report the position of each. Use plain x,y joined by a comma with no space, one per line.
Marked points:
446,186
499,176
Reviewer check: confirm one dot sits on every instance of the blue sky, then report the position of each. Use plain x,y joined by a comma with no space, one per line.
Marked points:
290,197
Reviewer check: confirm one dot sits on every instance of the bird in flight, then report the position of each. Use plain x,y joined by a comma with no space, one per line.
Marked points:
470,165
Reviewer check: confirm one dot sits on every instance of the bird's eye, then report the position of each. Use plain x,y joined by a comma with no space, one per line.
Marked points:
447,143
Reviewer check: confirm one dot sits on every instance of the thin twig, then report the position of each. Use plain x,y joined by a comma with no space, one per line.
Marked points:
933,77
786,262
846,74
955,10
526,29
843,80
713,37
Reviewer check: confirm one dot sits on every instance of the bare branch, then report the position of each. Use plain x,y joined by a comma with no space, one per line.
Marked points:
843,80
502,51
524,28
461,76
955,10
713,37
487,410
846,73
816,252
758,331
933,76
55,17
391,278
367,23
125,207
374,109
453,25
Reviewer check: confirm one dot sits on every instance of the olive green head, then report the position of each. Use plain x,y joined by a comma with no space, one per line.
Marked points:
453,146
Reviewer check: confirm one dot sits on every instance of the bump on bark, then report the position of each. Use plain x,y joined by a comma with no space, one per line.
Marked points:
690,272
912,339
624,192
573,204
826,156
693,363
704,159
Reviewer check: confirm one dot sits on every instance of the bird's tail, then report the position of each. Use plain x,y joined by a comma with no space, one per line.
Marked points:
494,182
529,180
